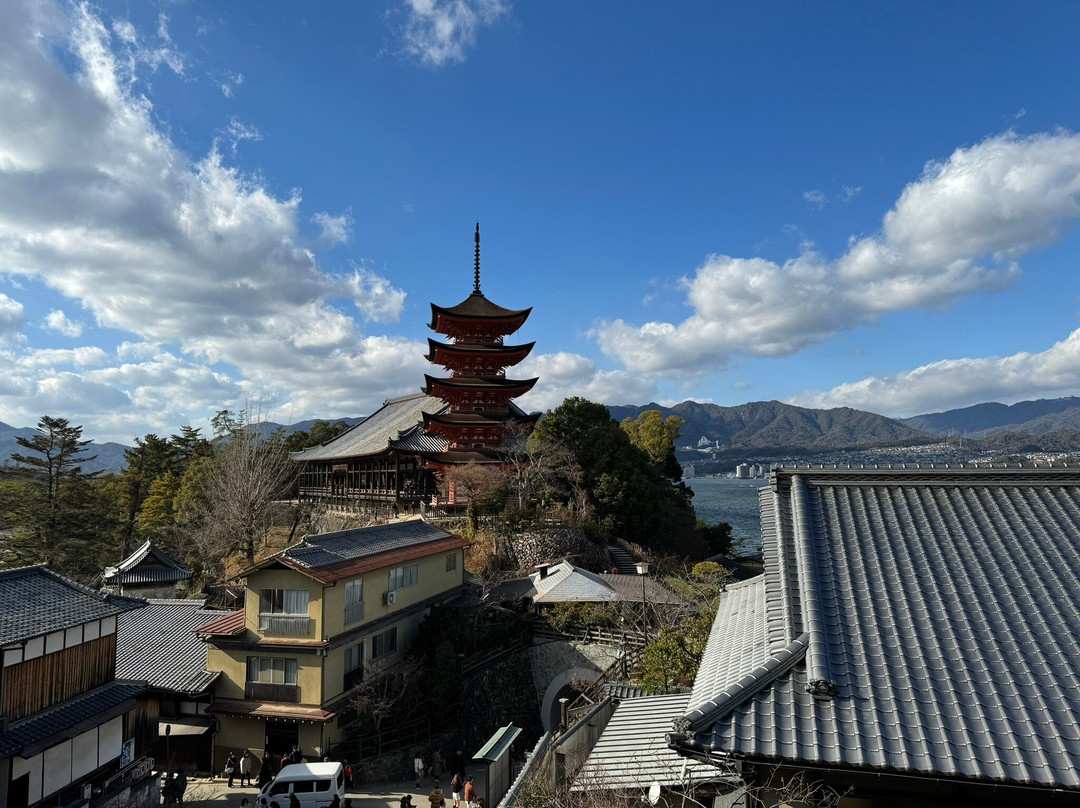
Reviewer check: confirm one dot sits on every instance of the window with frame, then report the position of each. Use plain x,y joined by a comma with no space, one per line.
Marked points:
451,562
354,601
384,644
403,577
291,602
271,670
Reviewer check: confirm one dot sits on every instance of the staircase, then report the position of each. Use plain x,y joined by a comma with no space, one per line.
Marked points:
622,561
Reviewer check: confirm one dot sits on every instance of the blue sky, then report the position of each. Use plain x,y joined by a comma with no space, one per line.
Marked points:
210,205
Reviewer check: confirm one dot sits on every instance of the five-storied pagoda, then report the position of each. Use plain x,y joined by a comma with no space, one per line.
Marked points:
480,415
390,459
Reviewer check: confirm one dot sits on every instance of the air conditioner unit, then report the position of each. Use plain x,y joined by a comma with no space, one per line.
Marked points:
388,598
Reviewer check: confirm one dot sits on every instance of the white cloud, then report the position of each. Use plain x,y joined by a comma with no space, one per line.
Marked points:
98,204
229,83
816,198
59,322
334,230
849,192
565,374
375,296
12,318
236,132
952,383
439,32
991,202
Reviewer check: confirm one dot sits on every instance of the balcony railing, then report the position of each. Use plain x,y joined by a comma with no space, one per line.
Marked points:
264,691
285,625
354,612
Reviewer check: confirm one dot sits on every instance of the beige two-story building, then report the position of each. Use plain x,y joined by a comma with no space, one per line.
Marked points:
317,618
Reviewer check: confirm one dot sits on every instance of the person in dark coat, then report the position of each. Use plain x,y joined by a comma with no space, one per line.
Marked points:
230,768
181,786
266,771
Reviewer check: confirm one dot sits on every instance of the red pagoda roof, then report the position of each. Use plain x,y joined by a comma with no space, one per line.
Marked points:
511,387
506,354
477,307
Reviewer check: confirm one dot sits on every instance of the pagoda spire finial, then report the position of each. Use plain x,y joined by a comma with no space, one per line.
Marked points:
476,262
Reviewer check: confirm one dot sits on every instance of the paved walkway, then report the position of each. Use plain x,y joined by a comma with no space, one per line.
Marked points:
216,793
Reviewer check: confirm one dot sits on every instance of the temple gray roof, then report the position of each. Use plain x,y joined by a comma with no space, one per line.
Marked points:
395,420
159,644
147,565
916,621
40,601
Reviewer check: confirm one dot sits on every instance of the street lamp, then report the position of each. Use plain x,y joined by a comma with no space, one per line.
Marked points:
168,751
643,570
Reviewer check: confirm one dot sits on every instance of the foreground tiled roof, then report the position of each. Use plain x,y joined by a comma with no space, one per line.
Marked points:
915,621
39,601
395,420
70,718
147,565
632,753
159,644
328,557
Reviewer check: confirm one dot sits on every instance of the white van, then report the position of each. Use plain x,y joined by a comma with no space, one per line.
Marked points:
314,785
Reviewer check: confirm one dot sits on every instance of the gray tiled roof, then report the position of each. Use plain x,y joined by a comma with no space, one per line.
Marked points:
69,718
40,601
940,607
632,753
159,644
376,433
345,545
148,564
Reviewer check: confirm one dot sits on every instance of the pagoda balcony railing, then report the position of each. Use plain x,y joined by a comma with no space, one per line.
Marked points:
285,625
265,691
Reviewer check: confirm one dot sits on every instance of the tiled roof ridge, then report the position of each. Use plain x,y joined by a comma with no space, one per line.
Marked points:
975,469
194,602
400,399
806,561
753,682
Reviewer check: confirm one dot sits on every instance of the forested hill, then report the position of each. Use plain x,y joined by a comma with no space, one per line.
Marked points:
110,456
774,425
1033,417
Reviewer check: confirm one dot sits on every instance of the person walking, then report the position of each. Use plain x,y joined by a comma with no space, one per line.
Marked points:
247,761
457,785
470,793
418,767
230,768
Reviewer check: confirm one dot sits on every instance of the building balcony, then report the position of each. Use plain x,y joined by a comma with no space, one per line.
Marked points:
285,625
264,691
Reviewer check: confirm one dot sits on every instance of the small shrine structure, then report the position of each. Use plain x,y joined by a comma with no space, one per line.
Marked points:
149,572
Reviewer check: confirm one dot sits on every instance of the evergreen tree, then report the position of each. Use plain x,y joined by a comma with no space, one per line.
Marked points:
57,524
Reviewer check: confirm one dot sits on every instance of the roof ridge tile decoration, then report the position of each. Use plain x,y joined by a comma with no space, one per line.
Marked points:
939,617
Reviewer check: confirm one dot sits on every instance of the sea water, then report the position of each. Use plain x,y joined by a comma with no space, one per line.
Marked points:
726,499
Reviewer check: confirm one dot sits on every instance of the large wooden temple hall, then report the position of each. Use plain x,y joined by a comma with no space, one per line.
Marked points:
391,458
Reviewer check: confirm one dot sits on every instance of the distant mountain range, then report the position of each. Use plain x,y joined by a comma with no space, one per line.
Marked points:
774,425
982,420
